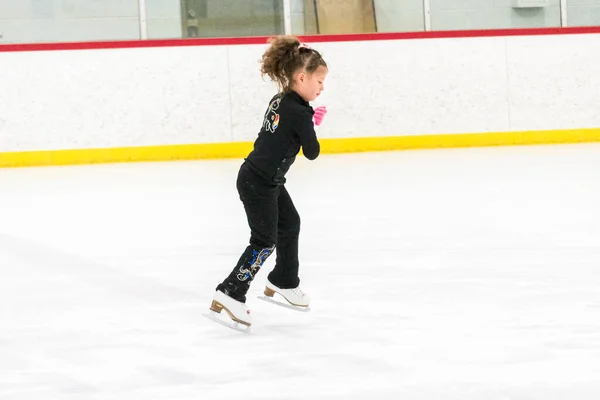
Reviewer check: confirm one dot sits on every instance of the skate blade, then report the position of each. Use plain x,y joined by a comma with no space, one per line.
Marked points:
236,326
285,305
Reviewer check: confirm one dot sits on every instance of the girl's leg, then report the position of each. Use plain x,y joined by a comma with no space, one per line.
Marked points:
285,273
260,204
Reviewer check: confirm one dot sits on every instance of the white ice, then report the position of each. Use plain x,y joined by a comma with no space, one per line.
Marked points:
444,274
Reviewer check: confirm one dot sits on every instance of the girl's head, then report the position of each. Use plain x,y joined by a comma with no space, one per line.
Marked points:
294,66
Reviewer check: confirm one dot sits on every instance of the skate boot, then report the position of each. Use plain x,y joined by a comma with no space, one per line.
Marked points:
296,299
238,313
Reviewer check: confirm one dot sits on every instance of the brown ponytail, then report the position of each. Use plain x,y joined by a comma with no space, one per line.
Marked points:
284,57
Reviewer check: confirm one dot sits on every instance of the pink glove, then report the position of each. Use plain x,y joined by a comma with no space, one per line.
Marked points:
319,115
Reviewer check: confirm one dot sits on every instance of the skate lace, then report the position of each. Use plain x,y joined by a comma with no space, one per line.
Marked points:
298,291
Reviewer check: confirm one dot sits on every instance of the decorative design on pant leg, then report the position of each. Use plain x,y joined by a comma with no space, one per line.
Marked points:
258,258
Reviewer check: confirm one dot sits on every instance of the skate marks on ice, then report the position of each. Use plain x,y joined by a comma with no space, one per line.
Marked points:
460,391
87,271
71,326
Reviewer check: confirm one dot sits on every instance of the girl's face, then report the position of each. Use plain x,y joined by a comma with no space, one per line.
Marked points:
310,86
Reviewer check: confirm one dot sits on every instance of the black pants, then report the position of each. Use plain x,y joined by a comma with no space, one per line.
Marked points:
274,224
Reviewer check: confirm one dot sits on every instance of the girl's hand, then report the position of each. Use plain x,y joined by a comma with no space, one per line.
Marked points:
319,115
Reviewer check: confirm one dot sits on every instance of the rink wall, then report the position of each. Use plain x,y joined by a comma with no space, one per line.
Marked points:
189,99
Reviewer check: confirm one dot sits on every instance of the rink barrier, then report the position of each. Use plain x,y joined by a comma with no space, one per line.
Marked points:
328,146
104,146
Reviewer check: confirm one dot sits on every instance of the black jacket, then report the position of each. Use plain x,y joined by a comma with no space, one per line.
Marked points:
287,126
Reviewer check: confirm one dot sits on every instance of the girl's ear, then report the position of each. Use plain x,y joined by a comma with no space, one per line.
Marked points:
301,77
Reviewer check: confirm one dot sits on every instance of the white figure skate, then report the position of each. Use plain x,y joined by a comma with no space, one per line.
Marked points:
239,315
296,299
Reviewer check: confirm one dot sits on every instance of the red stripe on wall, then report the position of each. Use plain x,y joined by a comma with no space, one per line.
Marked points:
123,44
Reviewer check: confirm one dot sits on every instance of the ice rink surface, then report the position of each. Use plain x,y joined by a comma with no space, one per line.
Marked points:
467,274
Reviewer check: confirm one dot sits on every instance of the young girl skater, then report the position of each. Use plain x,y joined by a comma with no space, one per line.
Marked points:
288,124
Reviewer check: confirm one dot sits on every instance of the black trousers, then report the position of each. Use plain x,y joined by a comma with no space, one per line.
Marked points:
274,226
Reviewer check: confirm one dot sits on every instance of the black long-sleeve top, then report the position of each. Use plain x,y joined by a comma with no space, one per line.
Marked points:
287,126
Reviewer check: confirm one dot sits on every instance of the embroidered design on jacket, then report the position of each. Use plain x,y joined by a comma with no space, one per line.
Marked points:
271,121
